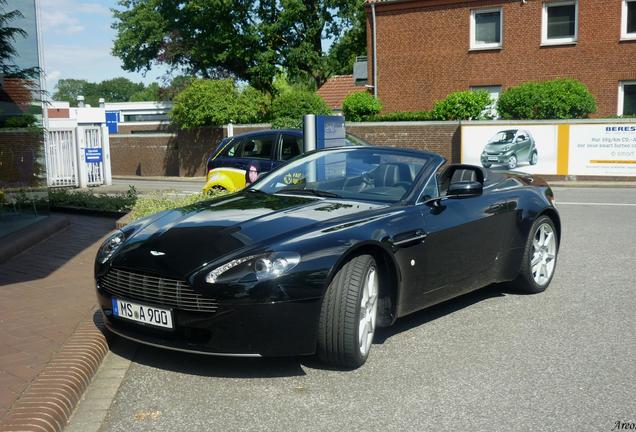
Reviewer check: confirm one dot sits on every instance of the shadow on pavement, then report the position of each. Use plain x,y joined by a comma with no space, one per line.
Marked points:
236,367
434,312
72,250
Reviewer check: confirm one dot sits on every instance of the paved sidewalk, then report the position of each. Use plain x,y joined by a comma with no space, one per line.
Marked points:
45,292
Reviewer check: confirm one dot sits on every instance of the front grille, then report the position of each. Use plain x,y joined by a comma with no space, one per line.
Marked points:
157,290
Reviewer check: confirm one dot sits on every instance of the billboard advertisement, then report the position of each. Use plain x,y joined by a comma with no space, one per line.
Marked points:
527,148
602,149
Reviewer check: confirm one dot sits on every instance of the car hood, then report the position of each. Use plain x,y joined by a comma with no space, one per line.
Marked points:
181,241
496,147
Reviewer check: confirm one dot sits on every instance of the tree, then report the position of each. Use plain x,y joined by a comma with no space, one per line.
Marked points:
216,102
69,89
247,40
353,43
118,89
151,93
112,90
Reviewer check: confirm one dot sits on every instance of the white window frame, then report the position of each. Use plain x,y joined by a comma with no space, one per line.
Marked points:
621,96
544,23
474,46
624,34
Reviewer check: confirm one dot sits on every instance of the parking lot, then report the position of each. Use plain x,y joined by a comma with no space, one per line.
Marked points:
491,360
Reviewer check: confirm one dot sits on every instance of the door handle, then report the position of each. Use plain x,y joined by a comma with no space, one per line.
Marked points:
409,237
497,207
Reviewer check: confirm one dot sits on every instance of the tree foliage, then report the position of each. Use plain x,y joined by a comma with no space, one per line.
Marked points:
216,102
117,90
243,39
289,107
465,105
357,106
556,99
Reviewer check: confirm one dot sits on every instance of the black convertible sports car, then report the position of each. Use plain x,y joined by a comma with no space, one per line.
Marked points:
317,254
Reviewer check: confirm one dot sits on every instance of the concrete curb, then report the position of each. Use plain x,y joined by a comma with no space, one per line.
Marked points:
51,398
28,236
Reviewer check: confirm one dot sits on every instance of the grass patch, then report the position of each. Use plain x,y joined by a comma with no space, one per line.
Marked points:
154,203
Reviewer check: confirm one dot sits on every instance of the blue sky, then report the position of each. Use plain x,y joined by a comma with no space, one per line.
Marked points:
77,41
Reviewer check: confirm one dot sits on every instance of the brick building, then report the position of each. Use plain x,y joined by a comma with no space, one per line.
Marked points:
426,49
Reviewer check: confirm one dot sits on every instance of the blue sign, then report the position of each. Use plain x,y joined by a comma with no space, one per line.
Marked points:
93,155
112,121
330,131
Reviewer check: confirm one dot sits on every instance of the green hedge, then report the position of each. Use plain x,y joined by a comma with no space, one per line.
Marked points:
557,99
289,107
154,203
465,105
357,106
401,116
218,102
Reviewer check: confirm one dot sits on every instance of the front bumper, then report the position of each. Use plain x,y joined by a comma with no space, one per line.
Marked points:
268,329
499,158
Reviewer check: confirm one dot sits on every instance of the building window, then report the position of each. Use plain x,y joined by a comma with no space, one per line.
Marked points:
628,20
560,22
627,98
485,28
494,91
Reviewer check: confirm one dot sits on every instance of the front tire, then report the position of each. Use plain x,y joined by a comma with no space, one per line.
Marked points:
486,165
512,162
348,316
539,259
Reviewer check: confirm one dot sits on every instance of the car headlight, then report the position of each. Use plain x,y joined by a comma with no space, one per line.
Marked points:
506,148
254,267
109,246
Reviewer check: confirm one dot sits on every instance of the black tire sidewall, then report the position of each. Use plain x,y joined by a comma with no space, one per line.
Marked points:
526,270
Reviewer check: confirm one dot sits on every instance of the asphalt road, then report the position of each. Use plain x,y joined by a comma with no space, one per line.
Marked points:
564,360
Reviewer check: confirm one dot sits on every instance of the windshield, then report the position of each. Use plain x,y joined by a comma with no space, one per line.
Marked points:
503,137
353,173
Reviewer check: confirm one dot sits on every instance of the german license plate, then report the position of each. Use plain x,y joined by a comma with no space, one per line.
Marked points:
141,313
492,158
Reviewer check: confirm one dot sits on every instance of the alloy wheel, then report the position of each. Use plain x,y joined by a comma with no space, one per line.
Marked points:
368,311
543,254
512,162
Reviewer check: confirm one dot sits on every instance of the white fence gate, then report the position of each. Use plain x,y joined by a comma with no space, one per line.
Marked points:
78,156
61,158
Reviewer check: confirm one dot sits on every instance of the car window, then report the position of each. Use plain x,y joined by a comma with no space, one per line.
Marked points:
233,149
431,190
348,172
259,147
290,147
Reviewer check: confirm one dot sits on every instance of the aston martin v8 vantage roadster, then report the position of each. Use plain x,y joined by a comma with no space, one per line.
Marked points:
315,256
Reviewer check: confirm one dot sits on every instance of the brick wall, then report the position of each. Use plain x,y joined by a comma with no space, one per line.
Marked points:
21,159
423,51
151,150
185,153
438,137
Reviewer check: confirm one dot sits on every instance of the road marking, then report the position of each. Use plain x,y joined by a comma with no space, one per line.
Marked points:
560,203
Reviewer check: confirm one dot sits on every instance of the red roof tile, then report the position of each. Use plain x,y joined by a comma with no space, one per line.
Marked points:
337,88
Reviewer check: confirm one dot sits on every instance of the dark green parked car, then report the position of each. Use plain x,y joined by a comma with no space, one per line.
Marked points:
510,148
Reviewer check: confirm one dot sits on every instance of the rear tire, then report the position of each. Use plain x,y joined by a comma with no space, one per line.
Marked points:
539,259
348,316
534,158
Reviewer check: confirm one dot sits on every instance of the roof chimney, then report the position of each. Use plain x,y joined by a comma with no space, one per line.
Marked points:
80,101
102,103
